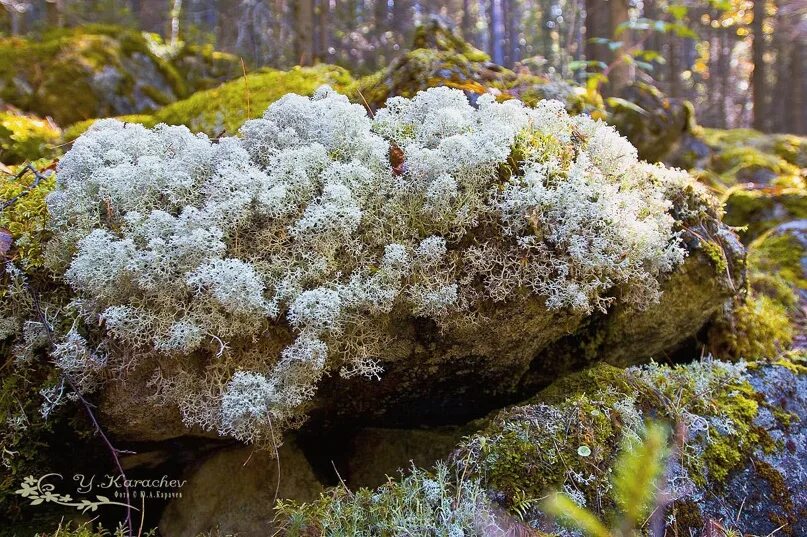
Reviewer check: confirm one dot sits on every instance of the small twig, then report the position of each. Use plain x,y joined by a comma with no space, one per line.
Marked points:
342,481
246,88
142,515
366,104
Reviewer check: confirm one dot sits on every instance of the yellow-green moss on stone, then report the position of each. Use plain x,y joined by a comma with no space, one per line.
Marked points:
24,137
99,71
27,217
761,209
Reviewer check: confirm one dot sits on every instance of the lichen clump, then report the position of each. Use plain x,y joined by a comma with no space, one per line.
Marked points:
287,252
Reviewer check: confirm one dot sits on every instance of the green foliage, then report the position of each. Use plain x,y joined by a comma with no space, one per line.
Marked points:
25,137
434,503
637,472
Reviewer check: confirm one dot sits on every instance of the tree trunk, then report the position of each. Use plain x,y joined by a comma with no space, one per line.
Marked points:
758,76
304,38
176,14
467,20
323,41
797,101
495,31
597,26
621,72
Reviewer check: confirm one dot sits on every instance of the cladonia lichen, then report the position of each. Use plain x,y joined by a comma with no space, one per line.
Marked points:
318,225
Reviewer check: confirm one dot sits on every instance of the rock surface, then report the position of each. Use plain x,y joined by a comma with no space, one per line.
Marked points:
234,490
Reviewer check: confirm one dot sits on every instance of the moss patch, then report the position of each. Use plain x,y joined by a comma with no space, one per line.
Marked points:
225,108
27,218
25,137
761,209
97,71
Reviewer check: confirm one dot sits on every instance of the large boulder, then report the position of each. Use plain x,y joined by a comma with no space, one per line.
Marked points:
440,57
224,108
736,156
659,126
769,318
228,301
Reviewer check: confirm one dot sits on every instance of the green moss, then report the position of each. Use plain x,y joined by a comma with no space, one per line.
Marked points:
760,209
225,108
780,255
570,437
575,427
762,324
741,155
598,378
716,255
738,164
27,218
77,129
435,35
791,148
688,516
757,327
98,71
724,453
25,138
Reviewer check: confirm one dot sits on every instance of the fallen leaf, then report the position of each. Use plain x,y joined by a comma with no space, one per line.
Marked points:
396,159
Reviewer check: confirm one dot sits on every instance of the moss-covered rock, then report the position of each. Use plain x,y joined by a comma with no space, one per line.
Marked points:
232,491
99,71
656,124
225,108
27,218
768,319
439,57
759,209
25,137
745,155
738,435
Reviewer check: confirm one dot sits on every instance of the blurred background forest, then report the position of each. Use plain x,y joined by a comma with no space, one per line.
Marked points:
742,63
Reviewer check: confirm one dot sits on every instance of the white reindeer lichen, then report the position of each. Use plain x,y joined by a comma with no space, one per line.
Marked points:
301,223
